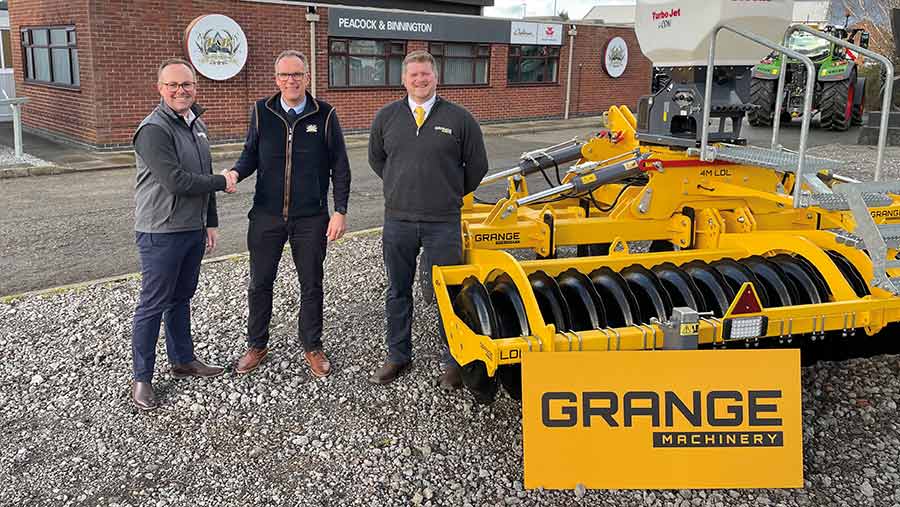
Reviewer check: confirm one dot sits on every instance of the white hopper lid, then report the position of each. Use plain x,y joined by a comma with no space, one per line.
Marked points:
674,33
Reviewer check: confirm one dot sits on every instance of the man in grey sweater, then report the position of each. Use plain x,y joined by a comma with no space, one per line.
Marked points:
430,153
175,223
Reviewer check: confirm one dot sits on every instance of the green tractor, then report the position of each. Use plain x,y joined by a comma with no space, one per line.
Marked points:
839,93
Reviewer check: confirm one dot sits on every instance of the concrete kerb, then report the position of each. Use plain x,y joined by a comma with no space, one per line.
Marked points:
232,151
136,276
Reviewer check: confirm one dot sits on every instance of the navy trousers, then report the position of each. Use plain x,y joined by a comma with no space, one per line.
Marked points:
170,269
402,240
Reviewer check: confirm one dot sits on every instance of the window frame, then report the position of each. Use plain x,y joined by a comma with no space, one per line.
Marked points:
386,56
26,39
3,49
477,47
520,59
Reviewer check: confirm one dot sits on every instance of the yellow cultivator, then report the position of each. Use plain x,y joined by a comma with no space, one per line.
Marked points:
663,236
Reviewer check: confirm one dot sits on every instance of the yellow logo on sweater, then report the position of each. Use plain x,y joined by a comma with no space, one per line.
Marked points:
445,130
312,129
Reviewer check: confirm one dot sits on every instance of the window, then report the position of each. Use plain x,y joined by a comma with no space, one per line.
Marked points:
533,64
358,62
50,55
461,64
5,50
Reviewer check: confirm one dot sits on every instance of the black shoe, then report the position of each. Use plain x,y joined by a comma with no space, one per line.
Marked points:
196,368
388,372
451,379
143,397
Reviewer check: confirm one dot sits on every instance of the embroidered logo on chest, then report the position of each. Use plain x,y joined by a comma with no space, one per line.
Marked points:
201,134
312,129
444,130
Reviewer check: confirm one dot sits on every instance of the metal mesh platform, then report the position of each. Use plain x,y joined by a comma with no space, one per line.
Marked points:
838,202
764,157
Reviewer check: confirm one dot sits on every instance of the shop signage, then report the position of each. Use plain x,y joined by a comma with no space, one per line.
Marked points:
376,24
216,46
615,57
544,34
662,419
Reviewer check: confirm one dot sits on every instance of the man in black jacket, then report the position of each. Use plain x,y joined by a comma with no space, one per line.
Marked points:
175,220
429,152
295,145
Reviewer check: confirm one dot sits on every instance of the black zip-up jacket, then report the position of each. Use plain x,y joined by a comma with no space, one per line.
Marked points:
426,171
294,162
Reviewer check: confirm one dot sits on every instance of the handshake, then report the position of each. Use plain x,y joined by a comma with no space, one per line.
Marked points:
231,180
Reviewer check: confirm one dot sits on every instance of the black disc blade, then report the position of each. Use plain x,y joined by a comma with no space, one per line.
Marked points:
618,300
550,300
473,306
860,287
584,303
513,322
680,286
737,275
797,266
807,292
780,289
717,294
652,297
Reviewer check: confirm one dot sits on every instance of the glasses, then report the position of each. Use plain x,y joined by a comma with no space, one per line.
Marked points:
284,76
186,86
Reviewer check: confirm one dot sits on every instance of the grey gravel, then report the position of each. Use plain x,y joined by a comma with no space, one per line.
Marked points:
8,158
279,436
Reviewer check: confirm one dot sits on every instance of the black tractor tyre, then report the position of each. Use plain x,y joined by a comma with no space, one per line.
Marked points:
762,94
859,109
837,104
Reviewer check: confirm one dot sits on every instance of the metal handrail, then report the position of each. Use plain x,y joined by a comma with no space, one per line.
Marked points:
888,91
807,99
15,104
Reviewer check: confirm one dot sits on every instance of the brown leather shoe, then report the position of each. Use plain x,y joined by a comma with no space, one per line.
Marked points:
388,372
196,368
319,365
451,379
251,359
142,396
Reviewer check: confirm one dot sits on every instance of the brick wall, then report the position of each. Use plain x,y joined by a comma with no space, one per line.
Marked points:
121,42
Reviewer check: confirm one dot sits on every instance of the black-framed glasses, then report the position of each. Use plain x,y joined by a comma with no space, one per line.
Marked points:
284,76
187,86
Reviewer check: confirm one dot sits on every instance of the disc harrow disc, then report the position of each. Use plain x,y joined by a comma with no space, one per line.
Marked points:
619,302
778,286
513,321
810,284
473,306
680,286
652,297
737,275
550,300
860,287
584,303
717,294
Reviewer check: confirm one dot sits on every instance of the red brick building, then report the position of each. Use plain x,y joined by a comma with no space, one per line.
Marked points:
89,66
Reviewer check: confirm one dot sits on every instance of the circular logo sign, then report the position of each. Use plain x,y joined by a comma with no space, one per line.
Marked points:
615,57
216,46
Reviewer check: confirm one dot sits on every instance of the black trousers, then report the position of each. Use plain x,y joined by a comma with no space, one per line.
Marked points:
401,241
265,240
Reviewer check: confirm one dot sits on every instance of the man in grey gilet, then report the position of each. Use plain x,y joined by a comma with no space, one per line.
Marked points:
175,223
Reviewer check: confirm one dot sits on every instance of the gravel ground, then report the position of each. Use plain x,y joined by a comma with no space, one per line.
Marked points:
8,158
281,437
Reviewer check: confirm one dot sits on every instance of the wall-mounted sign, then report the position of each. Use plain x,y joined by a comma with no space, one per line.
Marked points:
373,24
615,57
216,46
376,24
544,34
